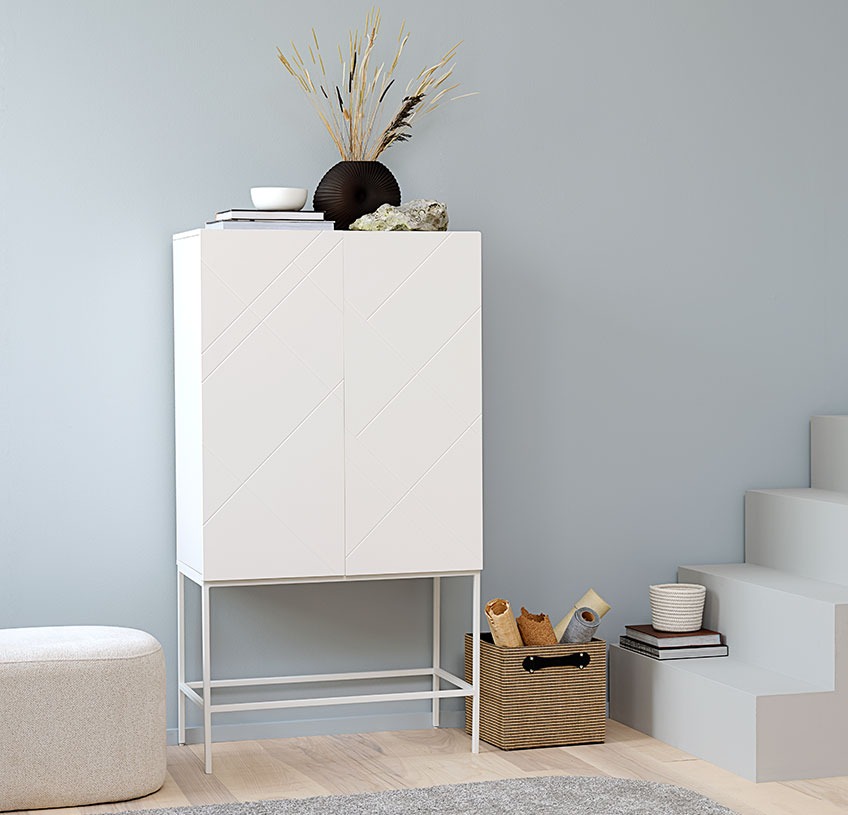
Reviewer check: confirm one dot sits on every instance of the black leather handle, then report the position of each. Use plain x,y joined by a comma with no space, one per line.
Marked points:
579,660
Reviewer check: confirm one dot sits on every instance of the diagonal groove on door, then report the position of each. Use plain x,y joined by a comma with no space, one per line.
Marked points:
270,509
276,277
416,373
205,266
419,479
271,331
331,569
402,282
286,343
258,466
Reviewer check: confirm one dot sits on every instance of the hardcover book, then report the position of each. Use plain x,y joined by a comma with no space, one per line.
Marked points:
268,215
317,225
687,652
670,639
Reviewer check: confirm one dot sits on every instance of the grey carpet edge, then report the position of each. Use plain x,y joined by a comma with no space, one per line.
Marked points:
547,783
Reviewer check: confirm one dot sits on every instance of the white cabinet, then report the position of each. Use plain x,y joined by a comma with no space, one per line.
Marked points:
328,403
328,428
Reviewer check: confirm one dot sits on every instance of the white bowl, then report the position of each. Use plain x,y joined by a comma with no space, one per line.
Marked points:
677,606
289,199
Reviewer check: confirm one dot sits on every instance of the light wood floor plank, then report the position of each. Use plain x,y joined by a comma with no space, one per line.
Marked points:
252,773
834,790
549,761
186,767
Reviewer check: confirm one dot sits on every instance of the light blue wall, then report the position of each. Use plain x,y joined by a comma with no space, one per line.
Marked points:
663,193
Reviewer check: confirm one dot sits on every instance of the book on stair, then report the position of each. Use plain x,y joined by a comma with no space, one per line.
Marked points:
685,652
671,639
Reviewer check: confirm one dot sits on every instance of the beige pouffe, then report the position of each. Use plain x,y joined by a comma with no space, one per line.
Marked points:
82,716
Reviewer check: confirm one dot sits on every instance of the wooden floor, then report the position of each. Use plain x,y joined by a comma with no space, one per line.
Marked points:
328,765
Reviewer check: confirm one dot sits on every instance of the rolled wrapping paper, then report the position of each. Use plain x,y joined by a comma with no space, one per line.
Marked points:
590,599
582,626
502,623
536,629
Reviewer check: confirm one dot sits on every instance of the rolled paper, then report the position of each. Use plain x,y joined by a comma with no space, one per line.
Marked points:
582,626
502,623
590,599
536,629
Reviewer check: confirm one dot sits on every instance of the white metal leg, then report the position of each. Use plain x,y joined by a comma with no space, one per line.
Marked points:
475,666
437,645
206,646
181,701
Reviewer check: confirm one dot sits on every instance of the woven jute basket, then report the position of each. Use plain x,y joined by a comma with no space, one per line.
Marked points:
549,706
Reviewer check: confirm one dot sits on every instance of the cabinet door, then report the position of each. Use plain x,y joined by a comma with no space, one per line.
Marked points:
272,371
413,426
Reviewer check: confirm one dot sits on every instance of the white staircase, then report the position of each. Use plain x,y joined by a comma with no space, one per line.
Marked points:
777,707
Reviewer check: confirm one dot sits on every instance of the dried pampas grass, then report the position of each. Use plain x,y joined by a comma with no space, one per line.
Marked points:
352,108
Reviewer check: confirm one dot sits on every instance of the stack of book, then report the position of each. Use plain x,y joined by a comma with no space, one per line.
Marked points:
646,640
267,219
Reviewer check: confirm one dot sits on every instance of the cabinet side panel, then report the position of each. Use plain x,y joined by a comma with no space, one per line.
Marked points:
413,405
187,402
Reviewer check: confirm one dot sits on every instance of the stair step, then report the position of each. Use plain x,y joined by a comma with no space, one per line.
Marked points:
769,616
800,531
777,580
745,677
738,675
757,723
829,453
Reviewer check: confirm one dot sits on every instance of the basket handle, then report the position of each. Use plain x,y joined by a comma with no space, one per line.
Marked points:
579,660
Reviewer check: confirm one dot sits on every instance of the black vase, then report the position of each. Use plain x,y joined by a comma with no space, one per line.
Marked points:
351,189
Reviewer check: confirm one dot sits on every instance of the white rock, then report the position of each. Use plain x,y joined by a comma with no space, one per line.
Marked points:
414,216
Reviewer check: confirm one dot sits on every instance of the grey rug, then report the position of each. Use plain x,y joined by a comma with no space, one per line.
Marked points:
549,795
